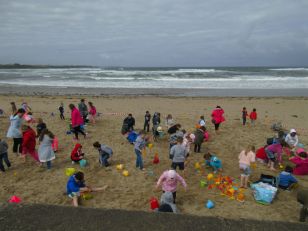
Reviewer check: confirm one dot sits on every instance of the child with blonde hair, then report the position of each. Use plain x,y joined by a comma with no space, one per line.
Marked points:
246,158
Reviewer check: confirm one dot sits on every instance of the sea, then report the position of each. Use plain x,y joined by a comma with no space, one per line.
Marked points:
158,78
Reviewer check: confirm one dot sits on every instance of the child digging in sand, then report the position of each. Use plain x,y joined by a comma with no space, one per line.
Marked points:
105,153
77,154
212,161
76,187
273,153
246,158
286,180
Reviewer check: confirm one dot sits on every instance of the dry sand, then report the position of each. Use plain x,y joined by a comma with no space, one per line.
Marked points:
37,185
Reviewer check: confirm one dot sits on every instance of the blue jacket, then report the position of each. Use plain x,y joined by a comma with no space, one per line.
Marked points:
286,179
73,185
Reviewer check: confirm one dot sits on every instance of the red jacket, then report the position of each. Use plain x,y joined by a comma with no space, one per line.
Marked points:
76,118
301,167
217,115
28,139
76,155
253,115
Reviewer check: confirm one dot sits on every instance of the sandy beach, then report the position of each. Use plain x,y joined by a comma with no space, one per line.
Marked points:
37,185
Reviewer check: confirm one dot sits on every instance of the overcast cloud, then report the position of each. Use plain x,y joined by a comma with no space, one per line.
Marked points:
155,32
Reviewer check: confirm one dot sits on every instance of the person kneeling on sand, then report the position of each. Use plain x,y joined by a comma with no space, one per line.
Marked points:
286,180
77,154
212,161
76,187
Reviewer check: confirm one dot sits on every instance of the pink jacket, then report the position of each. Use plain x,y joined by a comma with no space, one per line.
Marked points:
301,167
217,115
169,185
247,159
76,118
92,111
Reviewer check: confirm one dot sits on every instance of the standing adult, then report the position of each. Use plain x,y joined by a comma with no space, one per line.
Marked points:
217,117
14,130
156,123
130,122
83,109
147,120
77,121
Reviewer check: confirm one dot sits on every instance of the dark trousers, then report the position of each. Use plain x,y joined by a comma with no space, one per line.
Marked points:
174,196
244,120
4,157
84,119
104,160
197,147
62,116
17,145
146,126
77,130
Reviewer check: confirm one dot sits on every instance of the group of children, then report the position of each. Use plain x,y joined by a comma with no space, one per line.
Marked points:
24,139
179,149
252,116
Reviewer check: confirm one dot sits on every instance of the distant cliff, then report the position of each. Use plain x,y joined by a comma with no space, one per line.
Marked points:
17,65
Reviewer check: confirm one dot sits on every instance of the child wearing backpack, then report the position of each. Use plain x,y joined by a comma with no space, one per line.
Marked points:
105,152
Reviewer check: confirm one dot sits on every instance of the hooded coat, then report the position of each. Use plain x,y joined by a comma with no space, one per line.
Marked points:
76,155
166,201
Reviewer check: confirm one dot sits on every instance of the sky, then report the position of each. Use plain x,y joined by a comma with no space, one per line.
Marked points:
155,32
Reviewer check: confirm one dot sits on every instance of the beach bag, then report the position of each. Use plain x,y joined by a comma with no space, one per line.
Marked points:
264,193
268,179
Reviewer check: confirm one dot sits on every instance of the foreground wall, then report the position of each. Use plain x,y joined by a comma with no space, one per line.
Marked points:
48,217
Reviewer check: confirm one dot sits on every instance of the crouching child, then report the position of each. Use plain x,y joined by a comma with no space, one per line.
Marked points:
105,153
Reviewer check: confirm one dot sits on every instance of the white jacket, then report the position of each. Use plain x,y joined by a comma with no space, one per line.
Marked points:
291,141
